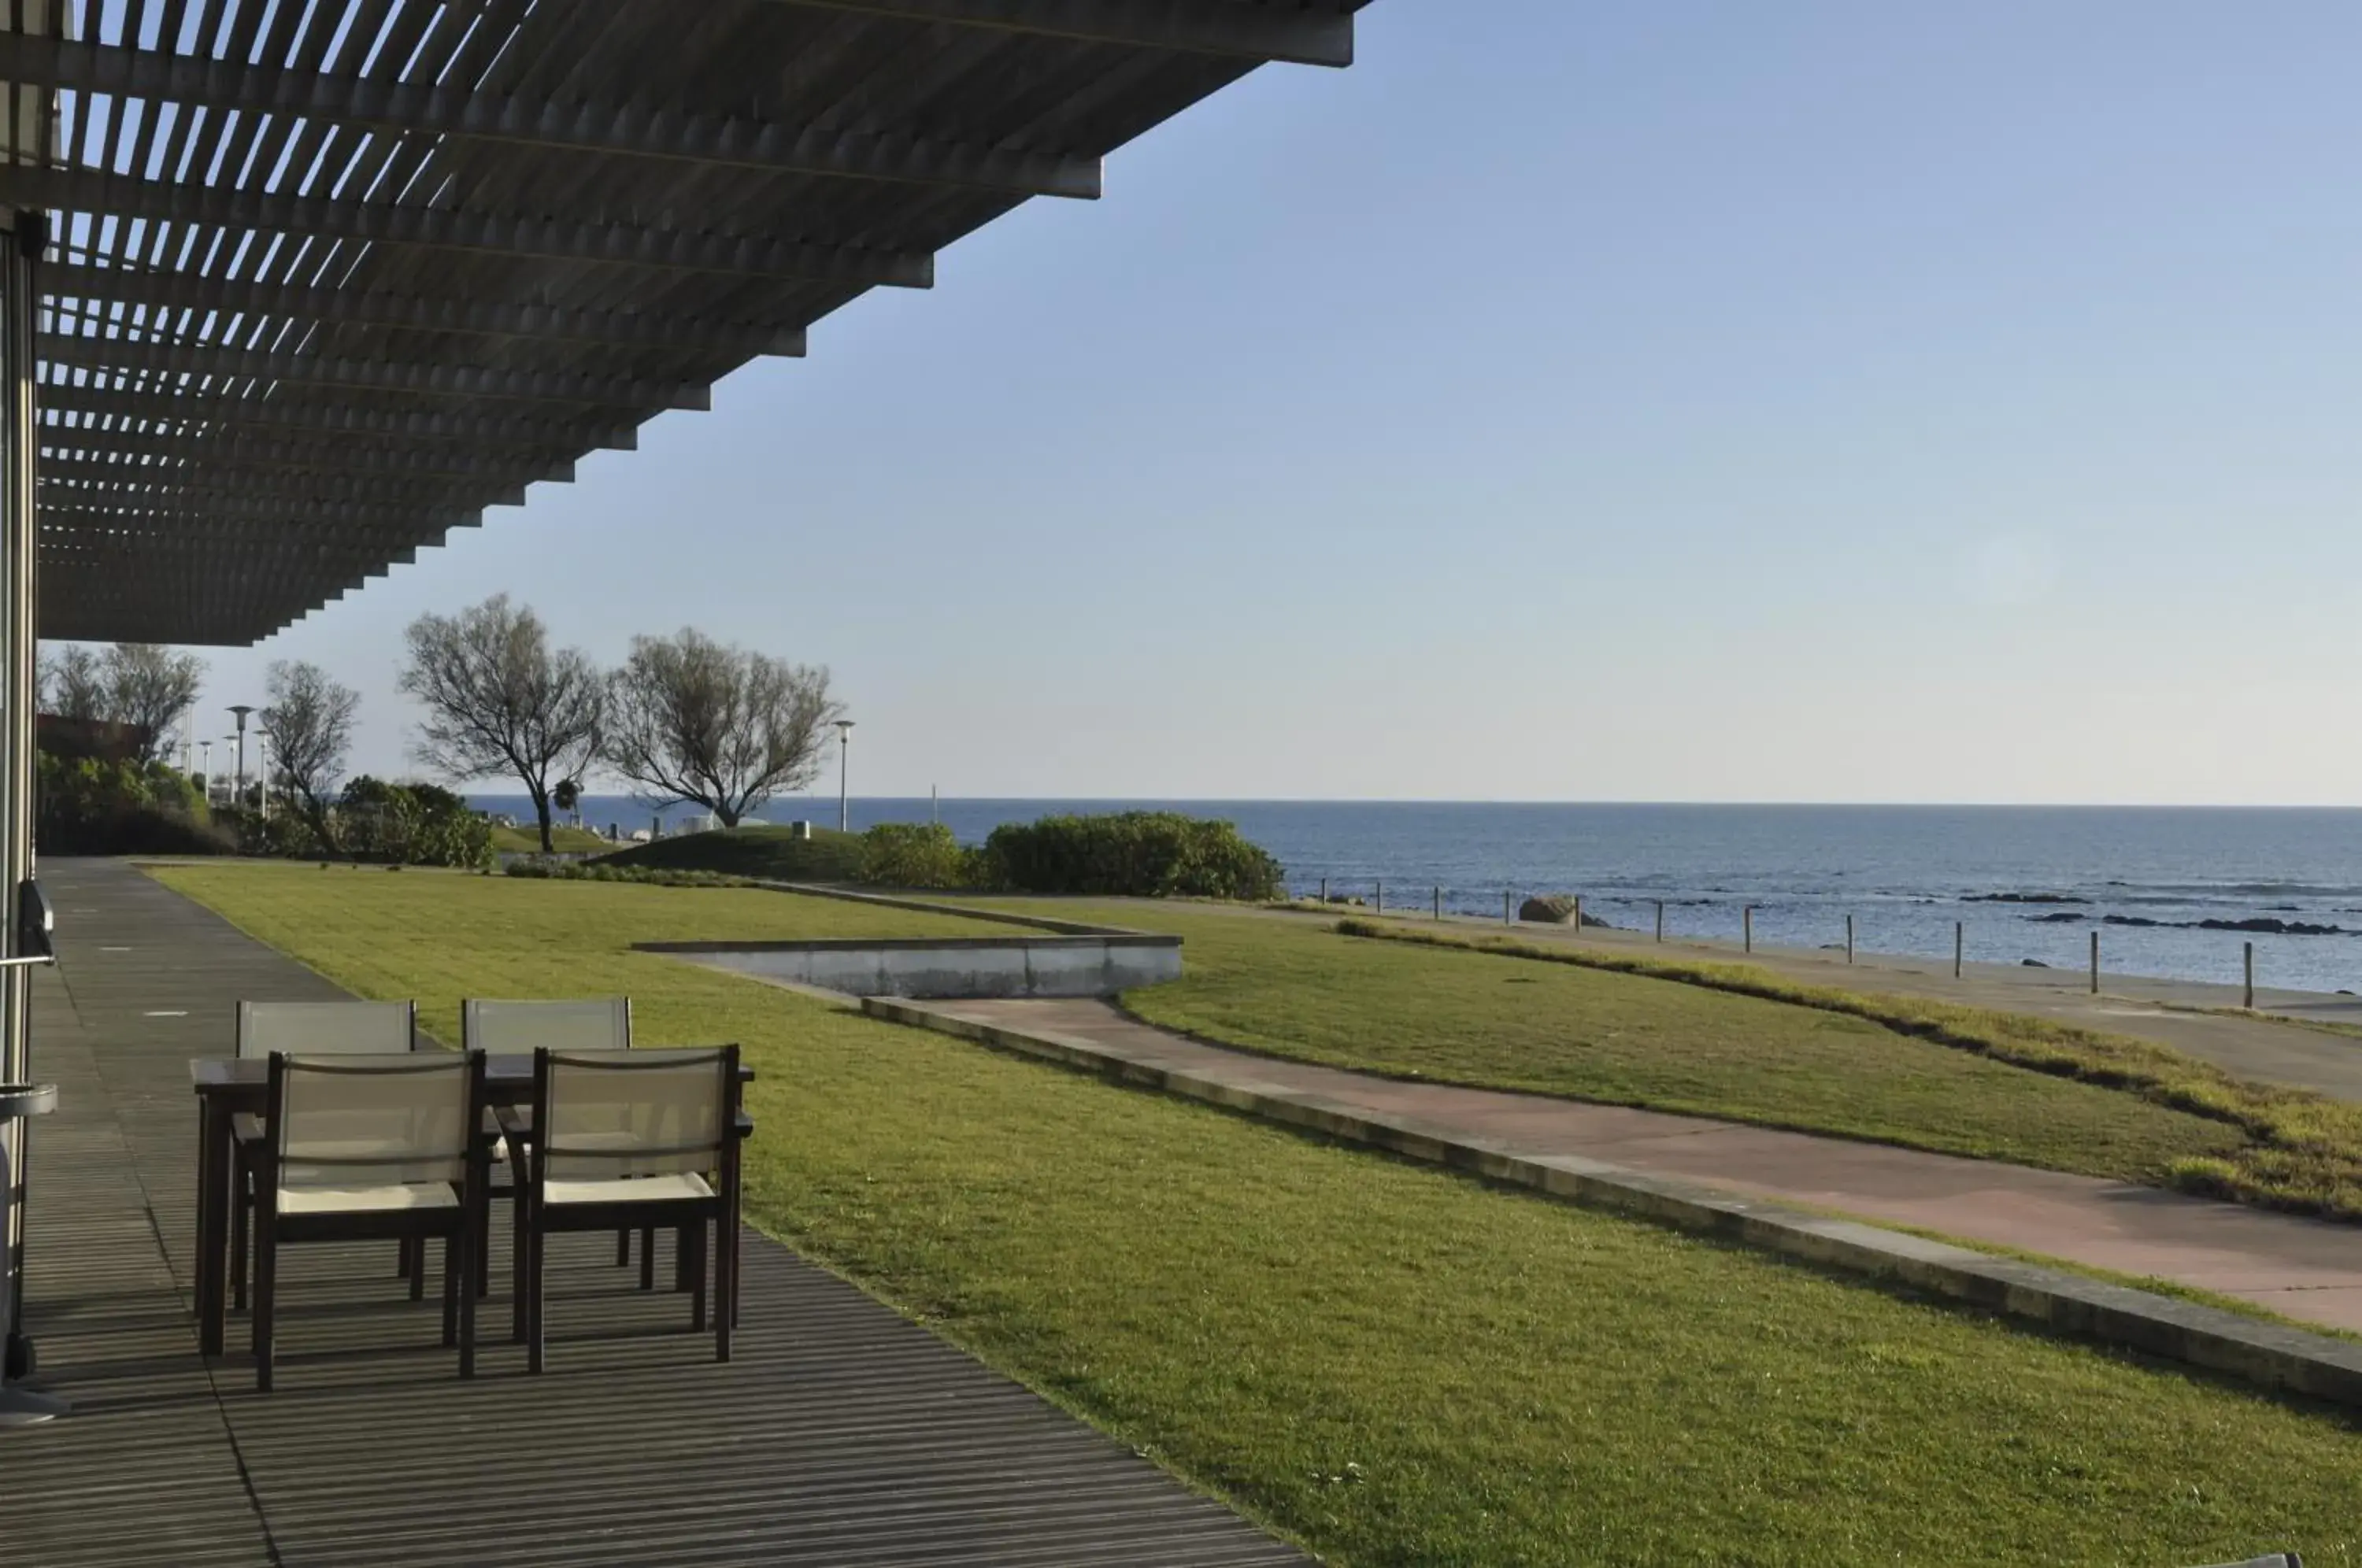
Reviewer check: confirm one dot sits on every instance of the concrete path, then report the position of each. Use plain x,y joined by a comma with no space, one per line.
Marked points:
2303,1269
2274,1046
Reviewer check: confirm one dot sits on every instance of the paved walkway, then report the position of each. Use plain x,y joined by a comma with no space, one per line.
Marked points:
2275,1048
840,1433
2301,1268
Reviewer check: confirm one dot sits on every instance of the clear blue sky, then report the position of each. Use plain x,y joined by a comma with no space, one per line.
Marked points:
1703,400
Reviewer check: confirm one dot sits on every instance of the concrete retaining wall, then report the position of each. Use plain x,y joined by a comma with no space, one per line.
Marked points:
948,969
2270,1354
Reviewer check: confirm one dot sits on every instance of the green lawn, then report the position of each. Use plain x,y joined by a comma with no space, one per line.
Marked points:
1395,1365
1295,988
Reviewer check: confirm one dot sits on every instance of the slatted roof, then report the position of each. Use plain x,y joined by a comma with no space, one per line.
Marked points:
326,279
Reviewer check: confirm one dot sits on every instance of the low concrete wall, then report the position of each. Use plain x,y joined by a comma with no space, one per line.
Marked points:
947,968
2269,1355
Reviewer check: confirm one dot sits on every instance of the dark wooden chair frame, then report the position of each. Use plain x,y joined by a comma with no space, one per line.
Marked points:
456,1226
514,1130
410,1262
536,1219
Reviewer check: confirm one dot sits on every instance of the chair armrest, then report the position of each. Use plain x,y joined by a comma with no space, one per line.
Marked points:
247,1127
745,1127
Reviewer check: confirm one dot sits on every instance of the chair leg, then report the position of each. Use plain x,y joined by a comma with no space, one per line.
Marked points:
520,1291
726,1281
535,1246
480,1267
453,1244
266,1293
647,1257
241,1205
417,1251
471,1254
622,1248
690,1239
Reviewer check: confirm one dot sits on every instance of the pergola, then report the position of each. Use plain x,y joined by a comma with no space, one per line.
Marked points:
295,287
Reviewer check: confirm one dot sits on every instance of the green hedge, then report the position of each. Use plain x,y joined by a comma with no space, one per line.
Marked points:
88,806
918,855
410,825
1131,854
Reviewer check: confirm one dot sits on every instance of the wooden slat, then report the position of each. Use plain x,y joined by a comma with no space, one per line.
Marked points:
839,1435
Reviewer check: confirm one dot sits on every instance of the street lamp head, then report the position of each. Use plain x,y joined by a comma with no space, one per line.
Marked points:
242,710
842,726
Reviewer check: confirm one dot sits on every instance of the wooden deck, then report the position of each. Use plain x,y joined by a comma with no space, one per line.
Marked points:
840,1434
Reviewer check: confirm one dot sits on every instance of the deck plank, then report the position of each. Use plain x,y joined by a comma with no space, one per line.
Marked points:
840,1433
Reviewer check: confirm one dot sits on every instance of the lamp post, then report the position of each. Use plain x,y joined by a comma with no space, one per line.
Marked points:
206,768
843,756
242,710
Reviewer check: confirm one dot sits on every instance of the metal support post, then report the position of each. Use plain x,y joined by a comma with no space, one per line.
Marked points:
1849,939
18,296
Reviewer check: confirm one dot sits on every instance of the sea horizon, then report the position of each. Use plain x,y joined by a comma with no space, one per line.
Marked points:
2174,892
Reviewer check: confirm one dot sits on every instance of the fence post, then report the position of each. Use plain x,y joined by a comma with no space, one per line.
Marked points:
1379,907
2251,976
1661,920
1959,942
1324,890
1849,939
1747,927
2095,963
1439,903
1506,918
1578,914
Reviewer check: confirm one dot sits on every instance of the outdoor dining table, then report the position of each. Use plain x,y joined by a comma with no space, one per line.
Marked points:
229,1086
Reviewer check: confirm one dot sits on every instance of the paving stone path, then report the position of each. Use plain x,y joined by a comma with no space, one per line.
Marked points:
2304,1269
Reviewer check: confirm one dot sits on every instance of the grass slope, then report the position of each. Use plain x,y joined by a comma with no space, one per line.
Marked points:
764,850
564,840
1393,1363
1295,988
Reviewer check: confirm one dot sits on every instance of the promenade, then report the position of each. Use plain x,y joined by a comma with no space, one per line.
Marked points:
2303,1269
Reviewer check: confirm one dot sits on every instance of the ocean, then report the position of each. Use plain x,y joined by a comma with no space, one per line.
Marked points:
2148,879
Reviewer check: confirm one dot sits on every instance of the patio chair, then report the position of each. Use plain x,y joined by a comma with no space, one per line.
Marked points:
635,1139
309,1028
521,1028
357,1147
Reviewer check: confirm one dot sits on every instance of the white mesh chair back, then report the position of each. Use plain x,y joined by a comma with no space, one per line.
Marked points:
372,1120
635,1113
326,1029
521,1028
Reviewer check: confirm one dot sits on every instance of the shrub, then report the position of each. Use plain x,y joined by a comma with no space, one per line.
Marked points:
411,825
279,833
1131,854
916,854
101,806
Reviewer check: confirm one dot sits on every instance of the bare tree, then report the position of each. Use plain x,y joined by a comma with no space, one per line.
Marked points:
308,728
722,727
499,699
70,685
149,688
